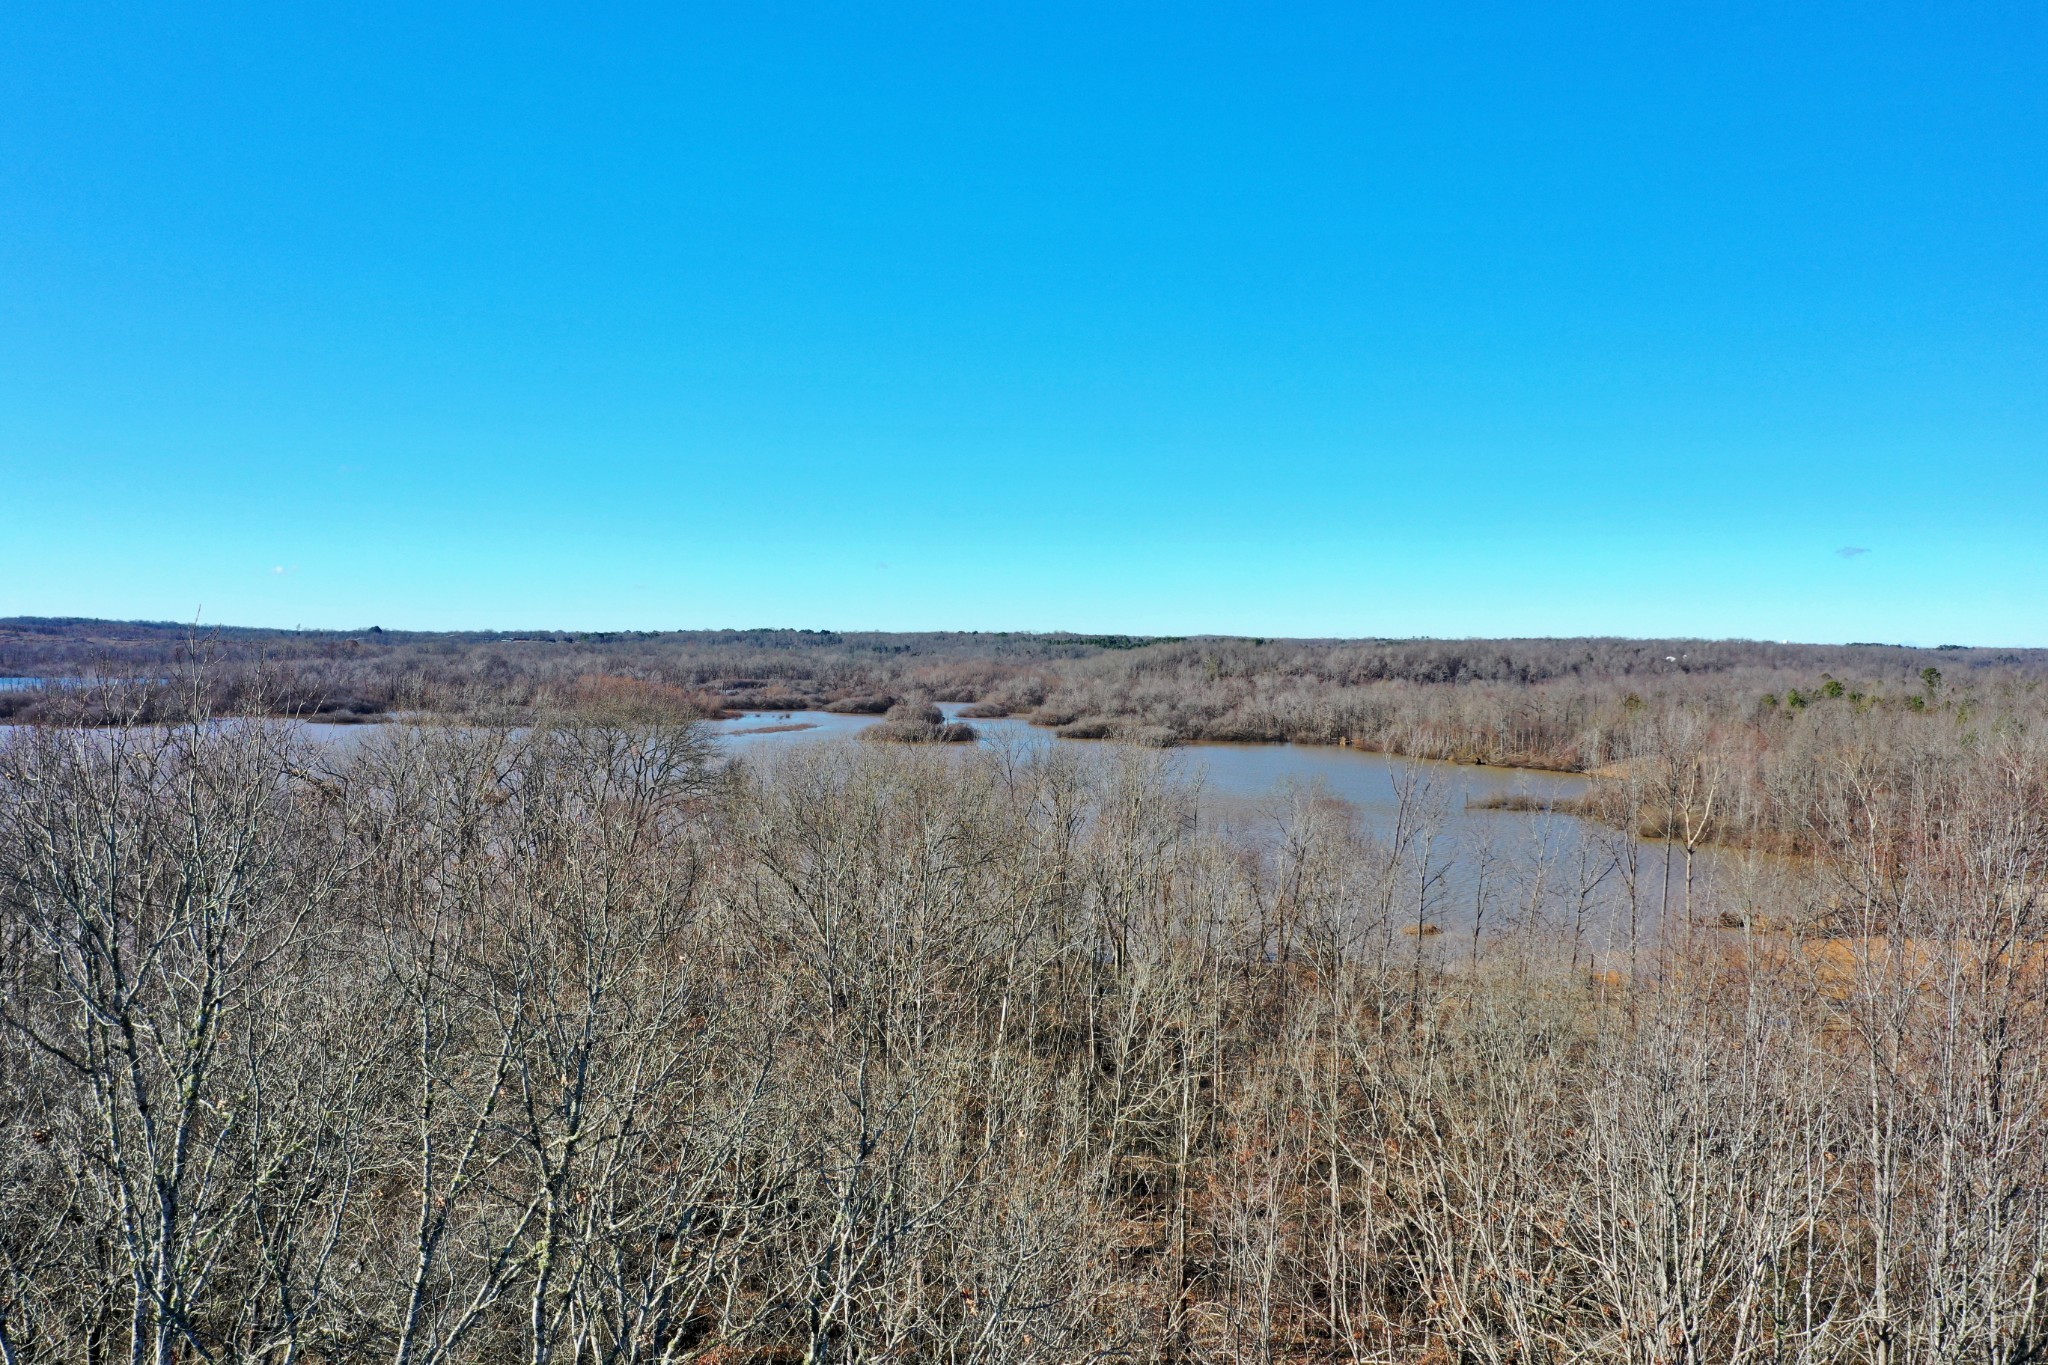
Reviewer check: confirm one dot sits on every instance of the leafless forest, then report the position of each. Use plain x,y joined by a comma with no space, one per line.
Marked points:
550,1036
1564,704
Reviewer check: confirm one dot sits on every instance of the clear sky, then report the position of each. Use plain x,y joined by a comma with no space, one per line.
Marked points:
1717,319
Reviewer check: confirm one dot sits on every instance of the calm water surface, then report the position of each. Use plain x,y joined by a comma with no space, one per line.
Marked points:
1372,782
1581,881
1578,881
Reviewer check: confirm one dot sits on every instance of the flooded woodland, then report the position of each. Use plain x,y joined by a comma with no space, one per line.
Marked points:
598,1008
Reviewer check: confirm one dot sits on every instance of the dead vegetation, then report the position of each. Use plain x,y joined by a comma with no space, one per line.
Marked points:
912,721
560,1042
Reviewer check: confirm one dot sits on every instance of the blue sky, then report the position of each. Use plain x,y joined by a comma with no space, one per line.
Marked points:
1263,319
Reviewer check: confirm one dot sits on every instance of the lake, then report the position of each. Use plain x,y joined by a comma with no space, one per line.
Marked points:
1468,871
1593,887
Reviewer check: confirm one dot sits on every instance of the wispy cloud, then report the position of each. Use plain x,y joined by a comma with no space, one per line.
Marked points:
1851,551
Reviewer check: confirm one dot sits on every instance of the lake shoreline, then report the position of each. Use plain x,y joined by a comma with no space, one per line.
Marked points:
960,710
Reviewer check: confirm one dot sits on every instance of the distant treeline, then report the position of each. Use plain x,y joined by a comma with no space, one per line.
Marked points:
567,1041
1196,688
1734,719
555,1036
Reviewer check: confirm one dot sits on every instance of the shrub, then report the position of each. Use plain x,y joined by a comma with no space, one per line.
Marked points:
868,705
